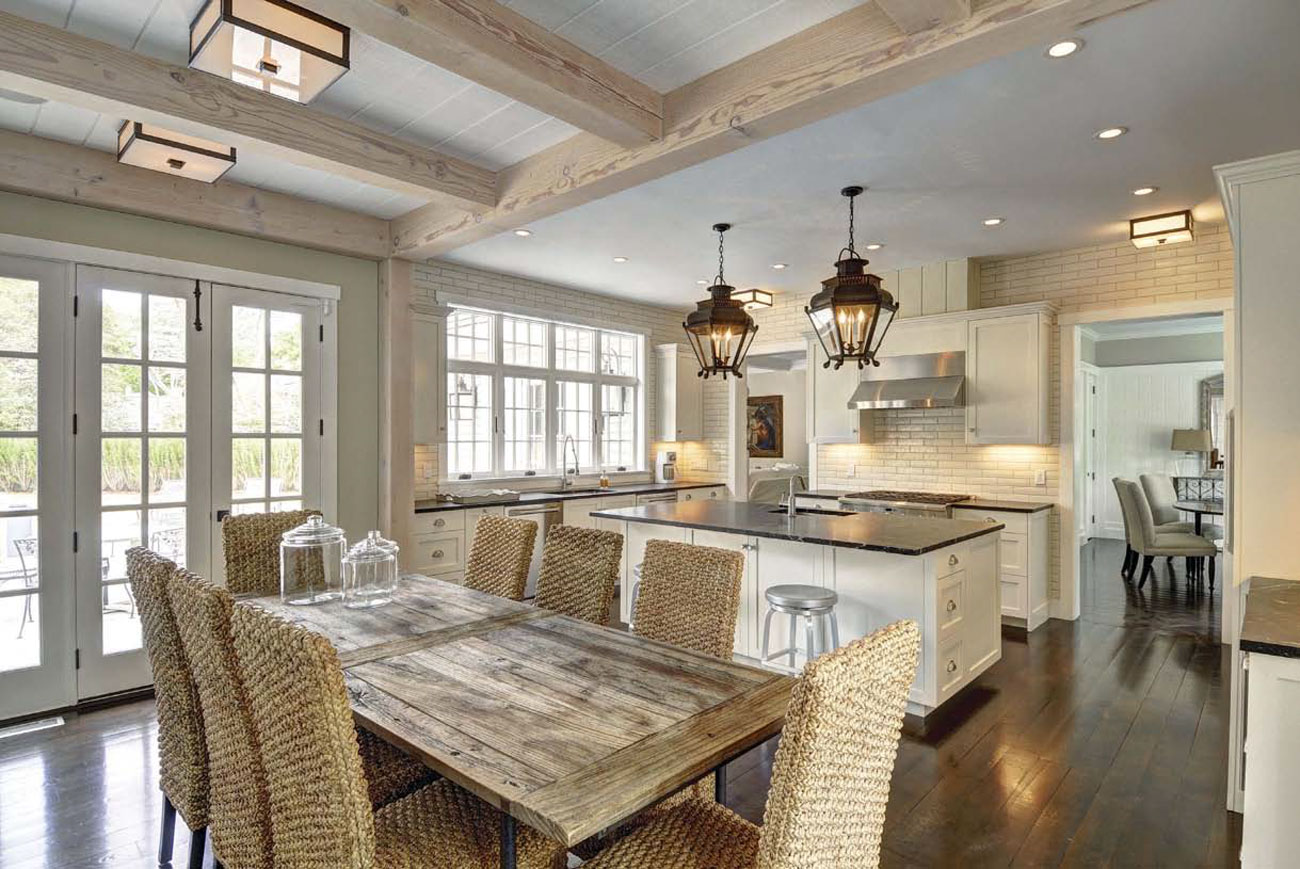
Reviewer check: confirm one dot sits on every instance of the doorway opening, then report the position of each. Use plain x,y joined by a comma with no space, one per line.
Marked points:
775,444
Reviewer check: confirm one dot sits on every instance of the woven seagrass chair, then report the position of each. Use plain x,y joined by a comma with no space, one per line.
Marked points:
240,819
321,817
251,543
182,752
830,779
500,557
579,572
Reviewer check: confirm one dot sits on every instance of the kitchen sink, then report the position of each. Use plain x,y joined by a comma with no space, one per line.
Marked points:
577,490
813,511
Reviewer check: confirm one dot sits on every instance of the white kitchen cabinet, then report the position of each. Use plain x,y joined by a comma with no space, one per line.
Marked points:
680,394
712,493
472,515
1270,837
827,414
428,362
638,535
1022,562
1007,380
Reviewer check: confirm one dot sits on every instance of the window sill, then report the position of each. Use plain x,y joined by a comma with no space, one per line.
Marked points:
540,482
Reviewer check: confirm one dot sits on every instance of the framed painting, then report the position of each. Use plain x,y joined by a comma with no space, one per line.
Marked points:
766,427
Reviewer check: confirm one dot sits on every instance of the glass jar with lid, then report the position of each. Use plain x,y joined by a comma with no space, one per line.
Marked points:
370,572
311,563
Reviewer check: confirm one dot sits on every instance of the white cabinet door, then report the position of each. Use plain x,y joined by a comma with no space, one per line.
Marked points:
681,394
429,411
829,420
745,643
618,526
472,515
1006,380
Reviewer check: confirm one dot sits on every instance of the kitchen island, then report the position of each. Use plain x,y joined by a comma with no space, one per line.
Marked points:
943,573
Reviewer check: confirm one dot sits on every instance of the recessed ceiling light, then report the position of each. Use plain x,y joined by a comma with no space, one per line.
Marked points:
994,221
620,259
702,283
1064,48
523,233
875,245
1145,191
1111,133
778,266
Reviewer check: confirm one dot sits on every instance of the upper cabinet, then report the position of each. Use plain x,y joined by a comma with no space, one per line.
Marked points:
828,418
428,373
681,394
1007,379
937,288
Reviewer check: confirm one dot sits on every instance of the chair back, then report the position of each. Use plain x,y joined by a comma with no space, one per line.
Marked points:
579,571
831,775
1142,524
182,750
690,596
320,811
1161,495
251,543
239,803
500,556
1125,510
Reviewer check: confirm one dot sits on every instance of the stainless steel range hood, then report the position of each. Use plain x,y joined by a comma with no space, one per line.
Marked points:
924,380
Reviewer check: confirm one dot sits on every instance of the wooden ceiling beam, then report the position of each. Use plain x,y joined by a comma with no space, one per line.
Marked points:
913,16
500,49
49,62
845,62
71,173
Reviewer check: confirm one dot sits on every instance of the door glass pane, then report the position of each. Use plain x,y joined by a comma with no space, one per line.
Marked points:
18,392
286,467
286,341
247,402
121,619
166,399
120,471
247,337
18,473
248,507
166,470
286,403
166,329
247,468
18,311
120,396
123,324
20,626
167,533
282,506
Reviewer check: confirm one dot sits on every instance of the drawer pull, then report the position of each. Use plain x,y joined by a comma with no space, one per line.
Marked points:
713,494
952,606
437,553
952,666
687,497
438,523
990,520
952,559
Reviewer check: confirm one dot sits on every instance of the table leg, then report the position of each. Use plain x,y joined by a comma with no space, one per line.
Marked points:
720,785
507,841
1197,524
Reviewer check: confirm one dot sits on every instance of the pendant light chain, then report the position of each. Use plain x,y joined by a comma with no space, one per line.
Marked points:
851,250
720,279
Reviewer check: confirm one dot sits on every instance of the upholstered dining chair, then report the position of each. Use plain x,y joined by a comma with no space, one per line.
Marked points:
1161,495
239,816
500,556
320,813
1149,543
251,544
1130,557
182,751
830,779
579,572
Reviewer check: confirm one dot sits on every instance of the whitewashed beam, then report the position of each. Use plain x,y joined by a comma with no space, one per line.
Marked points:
913,16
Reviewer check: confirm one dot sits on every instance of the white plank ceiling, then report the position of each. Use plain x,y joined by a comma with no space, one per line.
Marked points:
664,43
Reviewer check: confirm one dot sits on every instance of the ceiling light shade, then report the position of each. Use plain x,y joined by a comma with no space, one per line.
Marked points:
852,313
151,147
272,45
719,329
1160,229
753,298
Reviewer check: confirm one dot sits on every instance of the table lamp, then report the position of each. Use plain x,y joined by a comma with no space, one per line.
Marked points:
1191,440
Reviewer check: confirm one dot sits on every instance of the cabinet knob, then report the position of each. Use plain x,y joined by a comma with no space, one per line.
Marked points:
438,523
952,605
437,553
952,666
749,547
990,520
952,559
971,429
686,497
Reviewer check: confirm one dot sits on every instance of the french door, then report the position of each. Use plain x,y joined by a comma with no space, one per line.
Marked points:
36,625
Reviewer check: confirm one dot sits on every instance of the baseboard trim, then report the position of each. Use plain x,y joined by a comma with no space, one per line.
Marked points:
90,704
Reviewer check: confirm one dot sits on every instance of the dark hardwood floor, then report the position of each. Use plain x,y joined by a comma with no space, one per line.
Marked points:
1098,742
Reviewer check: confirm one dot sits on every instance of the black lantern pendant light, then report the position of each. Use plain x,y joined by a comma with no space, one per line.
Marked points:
852,313
719,329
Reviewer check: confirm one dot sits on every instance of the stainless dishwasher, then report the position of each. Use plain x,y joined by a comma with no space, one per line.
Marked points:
545,515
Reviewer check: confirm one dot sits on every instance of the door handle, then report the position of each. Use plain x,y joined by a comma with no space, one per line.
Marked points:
222,514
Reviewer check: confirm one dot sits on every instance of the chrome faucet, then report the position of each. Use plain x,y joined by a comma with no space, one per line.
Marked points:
569,442
790,509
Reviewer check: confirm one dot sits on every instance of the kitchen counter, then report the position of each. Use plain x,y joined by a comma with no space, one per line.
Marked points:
1271,625
1003,505
876,532
434,505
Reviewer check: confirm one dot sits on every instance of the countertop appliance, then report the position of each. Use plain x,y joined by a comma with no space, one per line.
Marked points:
545,515
933,505
666,466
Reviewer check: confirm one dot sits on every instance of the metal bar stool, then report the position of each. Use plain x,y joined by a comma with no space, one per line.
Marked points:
807,602
636,593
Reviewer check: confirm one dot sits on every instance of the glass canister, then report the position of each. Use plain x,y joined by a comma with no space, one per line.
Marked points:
370,572
311,563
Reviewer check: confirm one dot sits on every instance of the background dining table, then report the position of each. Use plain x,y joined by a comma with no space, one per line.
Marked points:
562,725
1200,508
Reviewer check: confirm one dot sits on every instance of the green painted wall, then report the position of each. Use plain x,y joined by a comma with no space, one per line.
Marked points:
358,401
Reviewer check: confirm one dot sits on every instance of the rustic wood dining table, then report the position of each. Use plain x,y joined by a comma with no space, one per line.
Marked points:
562,725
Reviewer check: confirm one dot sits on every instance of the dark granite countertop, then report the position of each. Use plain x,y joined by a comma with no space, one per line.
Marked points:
1271,625
434,505
1004,505
880,532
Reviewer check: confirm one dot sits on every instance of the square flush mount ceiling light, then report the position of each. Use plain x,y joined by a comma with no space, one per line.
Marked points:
1161,229
152,147
271,45
753,298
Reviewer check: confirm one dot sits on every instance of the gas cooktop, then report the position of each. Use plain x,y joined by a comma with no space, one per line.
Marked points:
892,496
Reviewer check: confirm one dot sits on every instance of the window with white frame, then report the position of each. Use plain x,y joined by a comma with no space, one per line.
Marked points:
518,386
